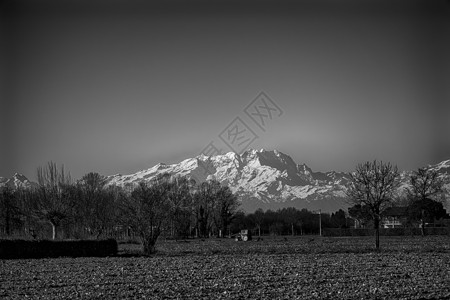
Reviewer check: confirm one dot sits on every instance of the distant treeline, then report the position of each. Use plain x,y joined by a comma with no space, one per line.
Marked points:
289,221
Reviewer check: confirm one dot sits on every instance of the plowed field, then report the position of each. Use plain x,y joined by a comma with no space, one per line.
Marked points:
269,269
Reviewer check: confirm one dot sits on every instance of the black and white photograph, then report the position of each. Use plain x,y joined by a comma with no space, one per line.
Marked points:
225,149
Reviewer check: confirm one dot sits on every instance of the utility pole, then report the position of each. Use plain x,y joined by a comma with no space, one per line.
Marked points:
320,222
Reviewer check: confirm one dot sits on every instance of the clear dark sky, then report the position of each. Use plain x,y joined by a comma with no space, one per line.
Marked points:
119,86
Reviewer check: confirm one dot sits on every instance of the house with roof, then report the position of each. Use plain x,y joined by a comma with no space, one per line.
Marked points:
395,217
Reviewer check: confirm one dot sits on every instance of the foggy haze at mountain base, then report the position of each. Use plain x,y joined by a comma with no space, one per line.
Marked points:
116,87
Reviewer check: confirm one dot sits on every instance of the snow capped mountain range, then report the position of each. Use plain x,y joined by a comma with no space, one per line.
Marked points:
17,181
260,179
266,179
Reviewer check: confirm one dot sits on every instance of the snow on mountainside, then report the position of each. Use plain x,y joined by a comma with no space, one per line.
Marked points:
267,179
444,169
17,181
260,178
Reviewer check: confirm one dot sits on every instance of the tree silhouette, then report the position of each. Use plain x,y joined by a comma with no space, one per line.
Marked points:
147,210
95,203
424,185
53,200
9,209
373,185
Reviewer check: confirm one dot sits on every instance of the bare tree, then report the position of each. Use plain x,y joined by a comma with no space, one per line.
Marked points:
425,183
425,186
205,202
50,176
181,205
96,206
258,219
215,207
373,185
147,210
53,201
9,209
226,207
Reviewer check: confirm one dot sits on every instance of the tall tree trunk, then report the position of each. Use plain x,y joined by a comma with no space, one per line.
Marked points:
377,238
54,230
149,245
376,224
99,233
422,227
8,221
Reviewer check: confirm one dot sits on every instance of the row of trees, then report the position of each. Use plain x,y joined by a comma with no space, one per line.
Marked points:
176,206
289,221
179,206
410,213
373,189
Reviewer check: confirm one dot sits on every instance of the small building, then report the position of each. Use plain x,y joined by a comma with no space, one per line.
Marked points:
395,217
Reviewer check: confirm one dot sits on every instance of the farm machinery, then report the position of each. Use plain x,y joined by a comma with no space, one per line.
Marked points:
244,235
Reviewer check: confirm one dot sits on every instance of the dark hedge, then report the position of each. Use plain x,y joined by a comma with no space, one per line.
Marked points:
46,248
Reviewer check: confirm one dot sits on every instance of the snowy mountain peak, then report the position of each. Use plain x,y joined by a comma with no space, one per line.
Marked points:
304,169
20,177
274,159
261,175
17,181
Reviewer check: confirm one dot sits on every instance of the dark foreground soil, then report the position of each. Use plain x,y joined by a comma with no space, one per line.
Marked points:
420,273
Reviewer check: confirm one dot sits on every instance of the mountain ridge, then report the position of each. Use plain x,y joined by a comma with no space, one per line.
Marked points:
18,180
267,179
